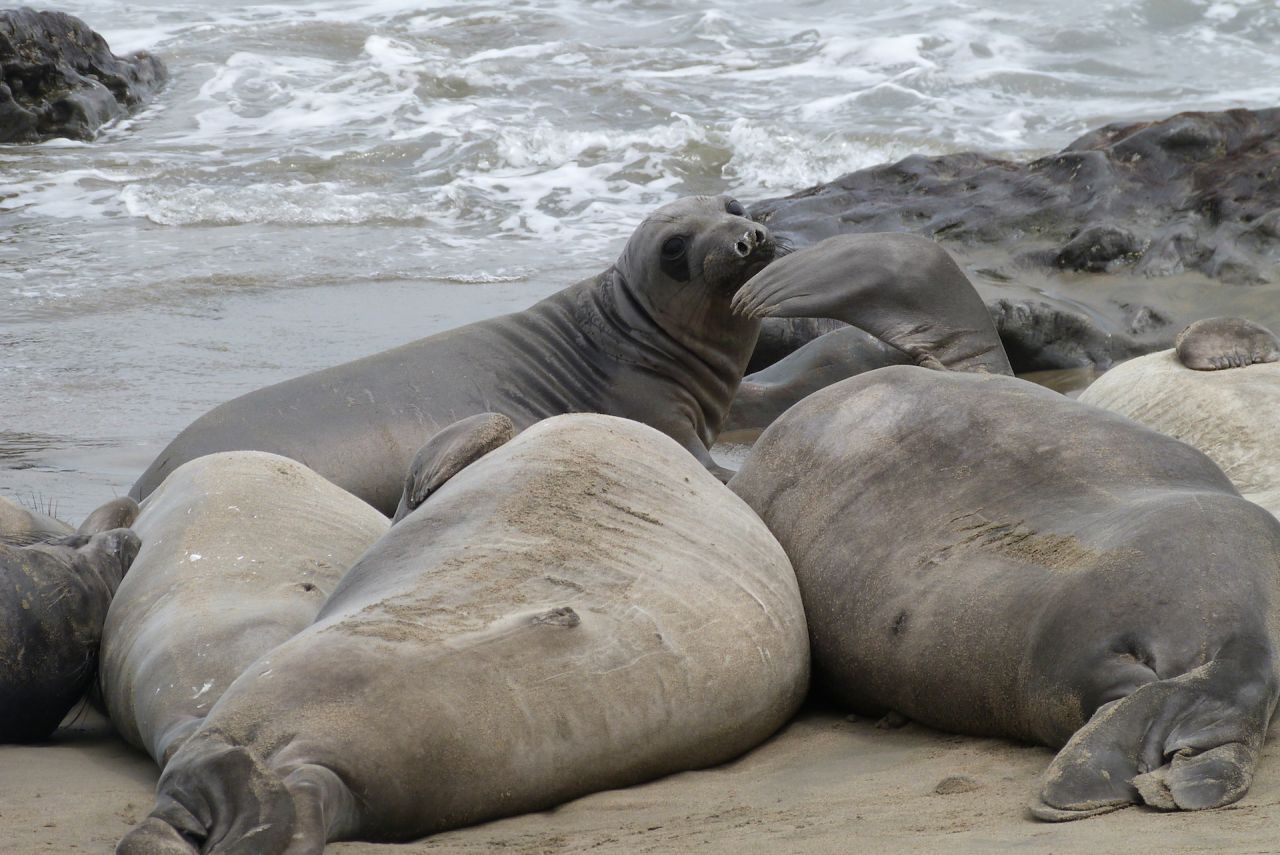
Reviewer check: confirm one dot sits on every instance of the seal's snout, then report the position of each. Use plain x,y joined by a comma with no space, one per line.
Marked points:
749,241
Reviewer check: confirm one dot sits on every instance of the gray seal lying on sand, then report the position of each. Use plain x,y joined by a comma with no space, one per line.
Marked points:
1228,406
239,551
986,556
583,608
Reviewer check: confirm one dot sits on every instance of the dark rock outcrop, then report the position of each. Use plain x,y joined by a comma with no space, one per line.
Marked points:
58,78
1194,192
1192,197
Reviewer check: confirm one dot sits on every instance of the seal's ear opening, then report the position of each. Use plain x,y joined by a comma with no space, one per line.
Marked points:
1186,743
448,453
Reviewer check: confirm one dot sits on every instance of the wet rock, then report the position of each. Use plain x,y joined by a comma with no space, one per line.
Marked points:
1157,197
1194,195
58,78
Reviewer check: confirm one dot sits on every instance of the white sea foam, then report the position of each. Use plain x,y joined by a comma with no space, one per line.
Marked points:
573,118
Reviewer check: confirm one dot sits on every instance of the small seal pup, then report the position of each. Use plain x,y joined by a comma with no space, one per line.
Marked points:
904,289
583,608
986,556
1219,390
53,600
239,551
651,338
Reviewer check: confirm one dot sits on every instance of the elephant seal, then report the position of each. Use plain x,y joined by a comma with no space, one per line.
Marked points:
583,608
1231,415
53,600
832,357
239,551
20,526
904,289
988,557
1217,343
651,338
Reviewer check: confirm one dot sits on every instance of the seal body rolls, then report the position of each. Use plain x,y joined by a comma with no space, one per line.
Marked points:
239,551
651,338
53,600
583,608
986,556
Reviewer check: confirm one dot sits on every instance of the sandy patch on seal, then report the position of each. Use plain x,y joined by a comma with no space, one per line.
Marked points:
824,784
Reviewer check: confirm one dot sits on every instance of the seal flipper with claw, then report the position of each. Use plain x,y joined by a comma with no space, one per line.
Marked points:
903,289
1173,744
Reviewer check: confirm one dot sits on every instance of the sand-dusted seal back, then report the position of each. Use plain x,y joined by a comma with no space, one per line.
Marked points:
239,551
1231,415
583,608
986,556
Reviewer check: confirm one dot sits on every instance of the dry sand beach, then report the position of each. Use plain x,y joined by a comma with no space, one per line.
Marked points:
823,784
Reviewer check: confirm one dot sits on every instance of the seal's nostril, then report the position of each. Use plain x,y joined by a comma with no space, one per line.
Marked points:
759,237
742,247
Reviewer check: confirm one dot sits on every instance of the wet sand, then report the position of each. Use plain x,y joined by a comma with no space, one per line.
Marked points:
823,784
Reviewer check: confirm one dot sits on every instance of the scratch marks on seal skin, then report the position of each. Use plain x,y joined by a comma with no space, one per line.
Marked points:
1018,540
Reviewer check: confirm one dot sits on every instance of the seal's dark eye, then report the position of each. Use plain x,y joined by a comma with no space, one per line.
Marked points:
673,248
735,207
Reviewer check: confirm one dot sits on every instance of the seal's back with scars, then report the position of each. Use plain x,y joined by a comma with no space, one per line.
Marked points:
986,556
651,338
585,607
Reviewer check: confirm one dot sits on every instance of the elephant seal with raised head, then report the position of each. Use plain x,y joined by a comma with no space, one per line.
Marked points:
53,601
986,556
1218,390
239,551
583,608
651,338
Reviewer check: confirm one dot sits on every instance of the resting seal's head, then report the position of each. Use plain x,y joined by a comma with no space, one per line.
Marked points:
688,258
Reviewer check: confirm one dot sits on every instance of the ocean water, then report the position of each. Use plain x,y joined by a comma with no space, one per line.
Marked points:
322,180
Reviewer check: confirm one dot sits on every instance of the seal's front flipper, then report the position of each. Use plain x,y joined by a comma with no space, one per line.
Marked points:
448,453
1217,343
827,359
1186,743
905,290
117,513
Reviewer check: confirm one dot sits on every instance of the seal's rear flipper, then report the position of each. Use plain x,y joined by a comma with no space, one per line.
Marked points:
1217,343
1186,743
448,453
215,797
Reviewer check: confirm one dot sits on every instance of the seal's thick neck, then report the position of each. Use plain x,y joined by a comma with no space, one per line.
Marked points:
691,337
